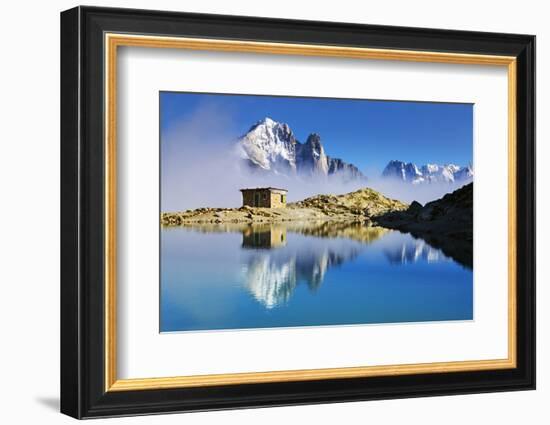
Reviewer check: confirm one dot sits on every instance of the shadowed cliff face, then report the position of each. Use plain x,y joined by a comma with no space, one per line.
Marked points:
446,223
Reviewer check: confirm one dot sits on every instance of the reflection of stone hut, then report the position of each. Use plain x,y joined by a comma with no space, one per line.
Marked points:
264,197
266,237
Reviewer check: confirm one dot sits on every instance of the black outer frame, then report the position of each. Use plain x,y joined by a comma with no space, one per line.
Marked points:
82,212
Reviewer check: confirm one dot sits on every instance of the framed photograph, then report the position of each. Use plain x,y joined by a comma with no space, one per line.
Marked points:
261,212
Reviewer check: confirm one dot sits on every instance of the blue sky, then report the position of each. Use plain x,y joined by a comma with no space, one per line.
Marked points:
366,133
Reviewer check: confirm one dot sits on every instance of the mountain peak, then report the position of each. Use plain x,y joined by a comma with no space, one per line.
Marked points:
271,146
267,121
314,137
312,156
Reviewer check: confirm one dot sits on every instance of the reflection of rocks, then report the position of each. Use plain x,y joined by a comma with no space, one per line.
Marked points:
446,223
412,251
264,236
273,235
272,276
358,231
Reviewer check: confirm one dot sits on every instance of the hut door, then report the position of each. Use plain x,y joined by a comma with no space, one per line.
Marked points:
256,199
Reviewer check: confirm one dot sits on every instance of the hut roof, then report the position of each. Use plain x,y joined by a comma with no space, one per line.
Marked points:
264,188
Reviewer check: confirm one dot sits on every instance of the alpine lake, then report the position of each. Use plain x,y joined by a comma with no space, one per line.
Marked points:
294,274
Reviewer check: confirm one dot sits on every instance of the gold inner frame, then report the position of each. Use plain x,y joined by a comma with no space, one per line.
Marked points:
113,41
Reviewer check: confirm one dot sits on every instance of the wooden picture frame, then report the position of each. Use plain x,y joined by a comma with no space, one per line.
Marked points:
90,38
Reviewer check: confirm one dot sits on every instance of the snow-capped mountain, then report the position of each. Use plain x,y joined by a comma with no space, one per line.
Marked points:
464,173
271,146
429,173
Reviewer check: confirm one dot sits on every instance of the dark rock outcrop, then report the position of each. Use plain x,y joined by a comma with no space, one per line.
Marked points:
446,223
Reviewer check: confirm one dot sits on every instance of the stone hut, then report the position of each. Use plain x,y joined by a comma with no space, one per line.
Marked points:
264,197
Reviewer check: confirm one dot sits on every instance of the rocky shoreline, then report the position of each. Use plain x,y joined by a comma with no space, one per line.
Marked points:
446,223
359,206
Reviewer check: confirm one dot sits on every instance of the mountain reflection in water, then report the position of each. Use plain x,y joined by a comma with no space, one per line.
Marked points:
235,276
413,250
271,275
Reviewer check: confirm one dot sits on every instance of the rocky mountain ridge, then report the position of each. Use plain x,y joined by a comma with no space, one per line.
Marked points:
428,173
270,146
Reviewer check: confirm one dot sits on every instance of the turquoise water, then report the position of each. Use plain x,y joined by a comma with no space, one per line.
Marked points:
240,277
